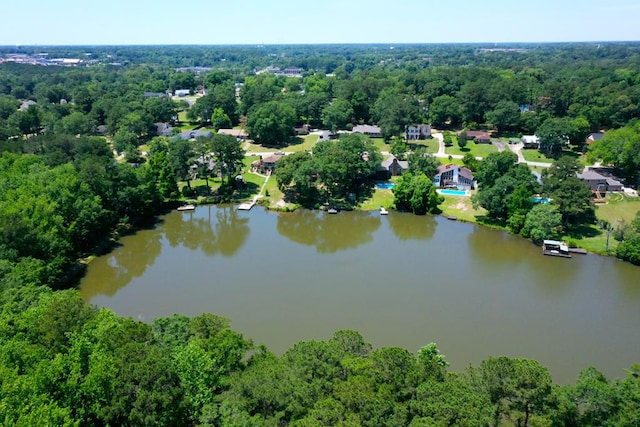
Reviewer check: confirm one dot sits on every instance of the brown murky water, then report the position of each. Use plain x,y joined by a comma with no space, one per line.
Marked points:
400,280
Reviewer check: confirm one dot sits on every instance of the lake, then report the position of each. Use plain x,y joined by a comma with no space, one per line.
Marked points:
400,280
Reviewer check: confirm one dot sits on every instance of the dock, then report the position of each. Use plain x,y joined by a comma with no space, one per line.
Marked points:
555,248
246,206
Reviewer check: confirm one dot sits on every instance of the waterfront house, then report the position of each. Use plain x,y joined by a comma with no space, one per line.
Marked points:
393,167
414,132
369,130
600,180
266,165
454,176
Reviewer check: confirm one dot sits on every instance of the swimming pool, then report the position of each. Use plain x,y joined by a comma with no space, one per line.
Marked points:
449,192
540,200
385,185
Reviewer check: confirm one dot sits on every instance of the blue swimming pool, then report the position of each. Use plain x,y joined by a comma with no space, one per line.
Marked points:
386,185
540,200
449,192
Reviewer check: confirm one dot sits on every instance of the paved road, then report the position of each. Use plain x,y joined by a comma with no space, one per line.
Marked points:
441,153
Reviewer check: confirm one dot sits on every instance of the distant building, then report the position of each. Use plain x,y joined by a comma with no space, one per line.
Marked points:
164,129
26,104
530,141
287,72
238,133
326,135
373,131
413,132
478,136
182,92
596,136
301,130
193,134
154,94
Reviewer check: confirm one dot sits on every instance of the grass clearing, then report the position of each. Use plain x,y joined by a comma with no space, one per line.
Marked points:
532,155
478,150
461,208
618,210
296,144
431,145
381,197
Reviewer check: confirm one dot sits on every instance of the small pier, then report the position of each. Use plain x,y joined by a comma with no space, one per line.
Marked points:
246,206
555,248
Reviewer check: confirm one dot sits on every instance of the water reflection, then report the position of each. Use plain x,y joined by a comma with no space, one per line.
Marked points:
406,226
329,233
219,230
113,271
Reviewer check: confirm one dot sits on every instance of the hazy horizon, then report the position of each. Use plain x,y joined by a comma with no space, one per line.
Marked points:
289,22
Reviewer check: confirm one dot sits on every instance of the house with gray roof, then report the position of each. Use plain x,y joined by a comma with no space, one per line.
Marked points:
454,176
369,130
593,137
600,180
393,166
193,134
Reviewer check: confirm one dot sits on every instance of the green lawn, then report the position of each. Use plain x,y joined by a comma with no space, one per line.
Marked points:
618,209
380,197
461,208
452,161
533,155
298,143
431,145
478,150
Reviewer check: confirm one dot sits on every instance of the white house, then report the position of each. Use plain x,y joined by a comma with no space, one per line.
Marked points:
421,131
530,141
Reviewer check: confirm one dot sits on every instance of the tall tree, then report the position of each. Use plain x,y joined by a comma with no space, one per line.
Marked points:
228,155
271,123
337,114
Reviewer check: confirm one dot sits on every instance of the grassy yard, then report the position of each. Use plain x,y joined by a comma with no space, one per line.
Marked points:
381,197
298,143
618,209
478,150
431,145
452,161
461,208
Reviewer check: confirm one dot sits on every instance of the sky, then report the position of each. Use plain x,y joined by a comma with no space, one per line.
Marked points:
126,22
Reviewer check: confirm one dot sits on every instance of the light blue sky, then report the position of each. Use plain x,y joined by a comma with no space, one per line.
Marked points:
73,22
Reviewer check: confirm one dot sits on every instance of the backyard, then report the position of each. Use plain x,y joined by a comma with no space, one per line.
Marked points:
478,150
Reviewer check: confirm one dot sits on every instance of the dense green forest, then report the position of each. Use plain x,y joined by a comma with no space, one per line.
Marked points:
73,176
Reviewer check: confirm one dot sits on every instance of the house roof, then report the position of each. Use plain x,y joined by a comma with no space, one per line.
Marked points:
478,134
192,134
595,136
593,175
272,158
389,161
238,133
164,129
530,139
366,129
462,171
